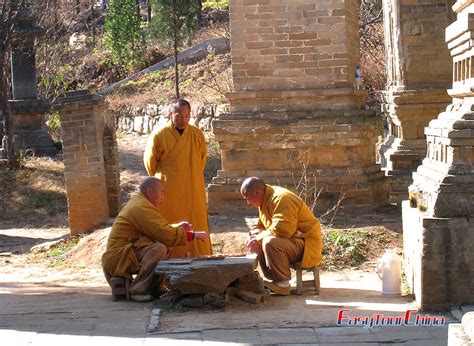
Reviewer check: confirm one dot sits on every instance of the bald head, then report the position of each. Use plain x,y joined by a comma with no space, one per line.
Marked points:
152,189
251,184
149,182
253,190
179,103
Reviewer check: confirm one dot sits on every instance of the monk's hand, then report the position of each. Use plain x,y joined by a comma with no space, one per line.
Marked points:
253,245
256,230
299,235
186,225
201,236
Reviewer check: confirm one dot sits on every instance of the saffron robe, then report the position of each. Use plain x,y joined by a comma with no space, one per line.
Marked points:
179,161
139,224
282,213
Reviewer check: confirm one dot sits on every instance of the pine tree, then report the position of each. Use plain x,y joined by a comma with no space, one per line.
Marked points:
175,22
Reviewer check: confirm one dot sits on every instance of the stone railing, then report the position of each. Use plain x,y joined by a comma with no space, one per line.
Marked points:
142,120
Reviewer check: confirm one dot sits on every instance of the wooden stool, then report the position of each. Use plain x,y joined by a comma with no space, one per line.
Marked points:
307,283
120,288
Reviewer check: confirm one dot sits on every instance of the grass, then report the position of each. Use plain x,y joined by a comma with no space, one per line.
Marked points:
57,255
351,248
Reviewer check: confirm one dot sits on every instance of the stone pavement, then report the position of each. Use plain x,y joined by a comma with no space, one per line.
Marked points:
431,336
71,314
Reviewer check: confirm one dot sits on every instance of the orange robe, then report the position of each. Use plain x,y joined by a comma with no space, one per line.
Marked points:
179,161
282,213
139,224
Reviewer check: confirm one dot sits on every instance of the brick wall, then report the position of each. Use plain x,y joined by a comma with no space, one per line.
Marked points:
287,44
90,160
295,105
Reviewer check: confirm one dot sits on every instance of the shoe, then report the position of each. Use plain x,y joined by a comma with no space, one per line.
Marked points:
142,298
281,291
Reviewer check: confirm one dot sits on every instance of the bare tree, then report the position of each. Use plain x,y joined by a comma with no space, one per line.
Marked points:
372,47
10,11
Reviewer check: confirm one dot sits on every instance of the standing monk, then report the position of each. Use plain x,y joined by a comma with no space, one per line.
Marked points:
176,154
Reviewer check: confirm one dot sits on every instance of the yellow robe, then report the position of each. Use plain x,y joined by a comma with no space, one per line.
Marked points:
179,161
138,224
282,213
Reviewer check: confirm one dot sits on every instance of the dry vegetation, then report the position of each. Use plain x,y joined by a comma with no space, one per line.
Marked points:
33,196
206,81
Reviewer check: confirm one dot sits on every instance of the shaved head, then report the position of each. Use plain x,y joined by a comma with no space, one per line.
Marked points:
253,191
252,184
149,183
178,103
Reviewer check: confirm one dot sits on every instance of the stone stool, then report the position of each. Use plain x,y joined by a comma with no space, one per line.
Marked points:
307,283
120,288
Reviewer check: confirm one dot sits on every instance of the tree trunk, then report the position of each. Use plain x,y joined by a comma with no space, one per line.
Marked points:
7,115
8,17
176,72
78,7
148,12
199,12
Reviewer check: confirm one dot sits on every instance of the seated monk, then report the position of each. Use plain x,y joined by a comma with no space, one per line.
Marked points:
141,237
287,232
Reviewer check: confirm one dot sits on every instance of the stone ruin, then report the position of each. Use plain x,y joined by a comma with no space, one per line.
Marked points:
90,156
438,235
27,110
418,73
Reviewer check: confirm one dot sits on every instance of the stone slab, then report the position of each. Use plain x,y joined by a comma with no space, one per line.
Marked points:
203,275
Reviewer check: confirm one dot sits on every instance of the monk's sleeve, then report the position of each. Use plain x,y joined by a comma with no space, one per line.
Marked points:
284,217
152,154
154,226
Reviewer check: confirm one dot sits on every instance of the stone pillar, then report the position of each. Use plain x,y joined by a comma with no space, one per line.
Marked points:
418,72
295,107
27,110
439,238
90,160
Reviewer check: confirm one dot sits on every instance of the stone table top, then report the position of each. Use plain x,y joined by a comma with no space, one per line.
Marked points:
204,275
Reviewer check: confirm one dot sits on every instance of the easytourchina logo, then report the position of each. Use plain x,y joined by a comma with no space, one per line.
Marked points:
410,318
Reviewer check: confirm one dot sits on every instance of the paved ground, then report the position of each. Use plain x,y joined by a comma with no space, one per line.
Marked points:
315,336
47,306
83,313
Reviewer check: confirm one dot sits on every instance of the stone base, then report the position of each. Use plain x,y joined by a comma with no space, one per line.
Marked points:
398,161
27,118
461,334
39,141
438,258
328,152
408,112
